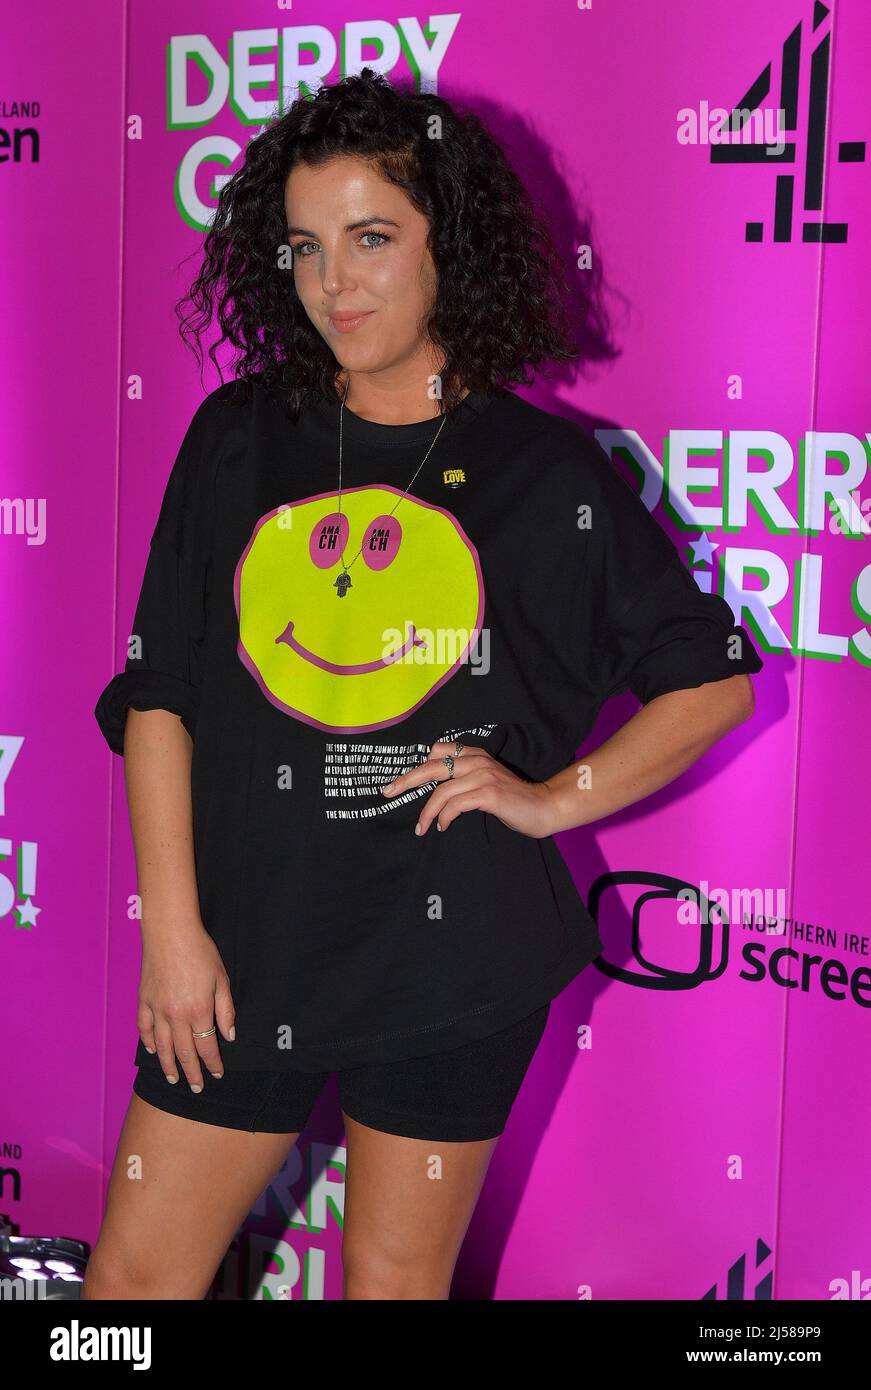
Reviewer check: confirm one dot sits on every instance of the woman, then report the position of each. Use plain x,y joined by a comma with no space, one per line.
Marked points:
384,601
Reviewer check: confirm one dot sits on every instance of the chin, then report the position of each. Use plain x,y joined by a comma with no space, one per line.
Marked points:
362,361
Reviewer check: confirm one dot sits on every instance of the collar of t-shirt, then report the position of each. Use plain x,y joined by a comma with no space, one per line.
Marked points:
382,436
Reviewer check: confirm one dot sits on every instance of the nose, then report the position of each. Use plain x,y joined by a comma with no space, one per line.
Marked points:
335,271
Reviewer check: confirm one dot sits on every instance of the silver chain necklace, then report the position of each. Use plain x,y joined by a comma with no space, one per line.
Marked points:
342,583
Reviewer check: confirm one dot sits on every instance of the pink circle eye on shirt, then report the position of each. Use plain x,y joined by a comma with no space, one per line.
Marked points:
381,542
328,540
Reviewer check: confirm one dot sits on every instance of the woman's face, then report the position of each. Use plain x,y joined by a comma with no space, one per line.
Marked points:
359,247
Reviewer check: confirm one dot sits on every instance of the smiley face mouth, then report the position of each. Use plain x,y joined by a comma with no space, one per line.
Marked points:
337,668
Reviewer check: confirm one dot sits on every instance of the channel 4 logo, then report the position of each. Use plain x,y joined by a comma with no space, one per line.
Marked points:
811,122
735,1284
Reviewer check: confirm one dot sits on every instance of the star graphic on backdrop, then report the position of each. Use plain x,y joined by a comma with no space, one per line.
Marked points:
703,550
26,913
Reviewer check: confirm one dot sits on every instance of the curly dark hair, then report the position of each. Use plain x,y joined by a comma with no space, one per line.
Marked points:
499,308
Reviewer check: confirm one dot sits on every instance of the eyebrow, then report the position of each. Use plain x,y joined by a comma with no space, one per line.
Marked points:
351,226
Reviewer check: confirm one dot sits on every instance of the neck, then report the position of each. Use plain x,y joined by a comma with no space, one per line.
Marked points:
387,405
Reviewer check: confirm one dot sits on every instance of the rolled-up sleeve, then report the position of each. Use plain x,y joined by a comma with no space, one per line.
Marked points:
163,669
655,630
673,637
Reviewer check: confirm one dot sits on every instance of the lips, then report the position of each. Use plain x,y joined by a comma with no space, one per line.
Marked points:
347,322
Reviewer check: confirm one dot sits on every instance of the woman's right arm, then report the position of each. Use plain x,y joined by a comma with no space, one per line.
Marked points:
183,986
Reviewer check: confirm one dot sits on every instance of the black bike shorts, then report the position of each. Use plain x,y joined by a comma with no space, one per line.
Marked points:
460,1095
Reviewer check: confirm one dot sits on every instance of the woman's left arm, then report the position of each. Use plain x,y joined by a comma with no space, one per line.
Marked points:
659,742
664,738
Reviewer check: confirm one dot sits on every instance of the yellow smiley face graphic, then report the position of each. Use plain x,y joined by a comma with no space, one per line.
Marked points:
350,659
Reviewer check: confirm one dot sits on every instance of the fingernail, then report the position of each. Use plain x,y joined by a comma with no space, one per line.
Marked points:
150,1049
197,1089
233,1034
218,1074
387,786
418,829
172,1080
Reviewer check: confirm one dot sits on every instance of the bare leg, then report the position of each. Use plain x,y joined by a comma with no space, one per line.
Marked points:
165,1232
408,1204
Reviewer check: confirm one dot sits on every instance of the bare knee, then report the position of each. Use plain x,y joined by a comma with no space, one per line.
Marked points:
116,1272
383,1275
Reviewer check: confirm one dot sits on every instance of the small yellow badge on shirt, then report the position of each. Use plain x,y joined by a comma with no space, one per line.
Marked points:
453,477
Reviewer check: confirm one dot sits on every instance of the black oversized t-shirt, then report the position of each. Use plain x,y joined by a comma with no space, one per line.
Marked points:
518,585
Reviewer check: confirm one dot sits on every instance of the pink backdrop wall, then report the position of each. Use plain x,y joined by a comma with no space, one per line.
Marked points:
691,1125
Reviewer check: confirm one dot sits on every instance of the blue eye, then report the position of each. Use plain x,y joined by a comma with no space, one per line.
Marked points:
299,250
